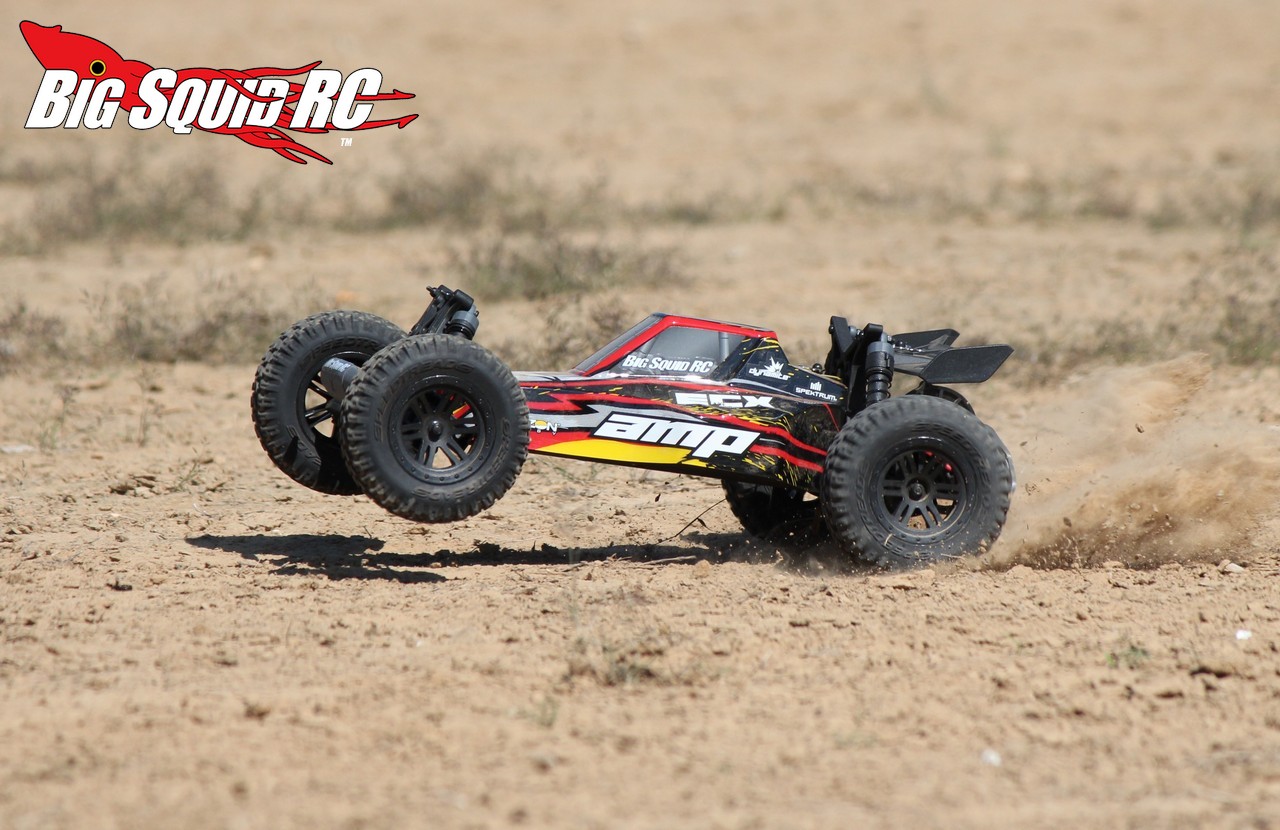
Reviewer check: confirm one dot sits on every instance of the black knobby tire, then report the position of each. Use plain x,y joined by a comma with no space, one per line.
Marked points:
435,428
778,515
914,480
943,392
293,414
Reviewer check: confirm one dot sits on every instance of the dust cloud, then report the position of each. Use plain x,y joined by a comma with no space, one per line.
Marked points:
1140,465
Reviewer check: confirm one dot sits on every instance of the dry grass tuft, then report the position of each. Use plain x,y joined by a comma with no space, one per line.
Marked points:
1230,310
487,192
228,319
570,331
29,338
132,200
549,264
495,192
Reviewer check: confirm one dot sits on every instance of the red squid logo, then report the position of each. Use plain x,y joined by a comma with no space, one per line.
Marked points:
87,83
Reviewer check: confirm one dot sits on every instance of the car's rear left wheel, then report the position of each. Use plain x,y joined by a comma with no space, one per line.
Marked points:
915,480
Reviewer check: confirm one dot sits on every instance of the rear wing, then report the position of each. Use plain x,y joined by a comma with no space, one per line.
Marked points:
930,356
866,359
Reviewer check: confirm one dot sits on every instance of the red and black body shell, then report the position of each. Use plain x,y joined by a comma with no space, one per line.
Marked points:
692,396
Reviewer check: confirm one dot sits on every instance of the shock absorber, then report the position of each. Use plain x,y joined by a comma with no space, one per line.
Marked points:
879,370
464,322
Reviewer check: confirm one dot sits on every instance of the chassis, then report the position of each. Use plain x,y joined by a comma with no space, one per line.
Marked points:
434,428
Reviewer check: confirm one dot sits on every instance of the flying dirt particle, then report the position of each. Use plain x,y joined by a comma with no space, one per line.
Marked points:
991,758
702,570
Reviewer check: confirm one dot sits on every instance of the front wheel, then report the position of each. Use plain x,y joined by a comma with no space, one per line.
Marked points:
914,480
435,428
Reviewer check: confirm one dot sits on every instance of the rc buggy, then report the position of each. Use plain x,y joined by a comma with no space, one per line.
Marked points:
435,428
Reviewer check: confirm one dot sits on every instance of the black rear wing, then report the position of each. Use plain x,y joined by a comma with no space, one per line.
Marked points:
867,358
930,356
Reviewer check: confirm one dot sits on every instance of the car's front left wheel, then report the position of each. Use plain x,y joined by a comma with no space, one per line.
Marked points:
435,428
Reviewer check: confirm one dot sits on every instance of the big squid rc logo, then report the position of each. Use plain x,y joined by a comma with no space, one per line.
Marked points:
87,83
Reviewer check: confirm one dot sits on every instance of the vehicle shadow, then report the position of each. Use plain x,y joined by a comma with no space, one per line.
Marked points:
331,555
363,557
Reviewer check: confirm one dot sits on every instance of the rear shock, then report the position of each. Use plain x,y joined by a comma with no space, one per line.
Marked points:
879,369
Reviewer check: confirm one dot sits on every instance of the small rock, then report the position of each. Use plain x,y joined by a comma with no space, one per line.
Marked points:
1227,567
1112,565
991,758
544,761
1243,634
702,570
1221,665
1166,690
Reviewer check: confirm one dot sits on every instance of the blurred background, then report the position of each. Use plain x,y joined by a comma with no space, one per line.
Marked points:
1031,172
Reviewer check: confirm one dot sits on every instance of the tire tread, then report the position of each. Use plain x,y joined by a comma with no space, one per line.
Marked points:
844,481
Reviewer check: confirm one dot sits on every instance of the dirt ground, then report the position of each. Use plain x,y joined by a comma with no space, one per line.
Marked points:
188,639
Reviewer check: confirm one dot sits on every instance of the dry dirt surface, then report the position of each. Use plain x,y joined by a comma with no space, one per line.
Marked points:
188,639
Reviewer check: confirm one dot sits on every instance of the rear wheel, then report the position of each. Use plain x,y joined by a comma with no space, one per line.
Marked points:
435,428
778,515
943,392
294,415
914,480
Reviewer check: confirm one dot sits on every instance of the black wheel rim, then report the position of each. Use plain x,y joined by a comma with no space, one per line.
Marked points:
438,434
921,493
316,407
